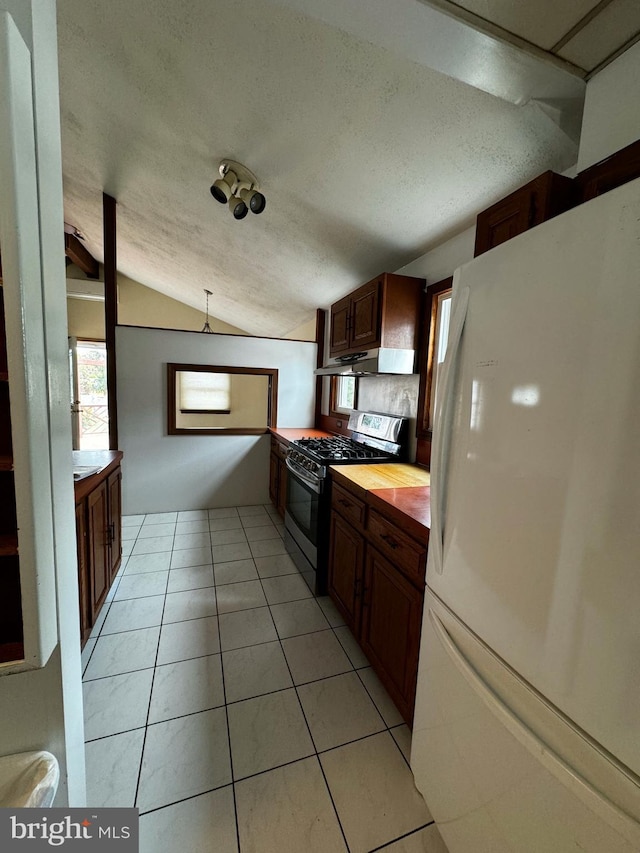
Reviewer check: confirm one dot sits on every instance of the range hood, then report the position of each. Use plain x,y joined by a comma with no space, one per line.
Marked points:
371,363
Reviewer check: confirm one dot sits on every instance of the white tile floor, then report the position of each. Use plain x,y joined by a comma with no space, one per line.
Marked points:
235,710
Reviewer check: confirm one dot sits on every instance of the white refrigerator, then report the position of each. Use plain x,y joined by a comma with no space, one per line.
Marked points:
526,733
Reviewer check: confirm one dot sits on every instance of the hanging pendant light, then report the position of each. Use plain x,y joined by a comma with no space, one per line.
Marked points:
207,328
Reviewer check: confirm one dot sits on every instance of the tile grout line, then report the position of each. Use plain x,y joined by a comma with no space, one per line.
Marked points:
226,711
279,639
304,717
388,844
153,679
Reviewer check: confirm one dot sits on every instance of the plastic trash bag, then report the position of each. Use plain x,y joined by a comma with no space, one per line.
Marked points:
28,780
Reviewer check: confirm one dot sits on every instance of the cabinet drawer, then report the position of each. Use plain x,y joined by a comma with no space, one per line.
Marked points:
348,505
403,551
278,447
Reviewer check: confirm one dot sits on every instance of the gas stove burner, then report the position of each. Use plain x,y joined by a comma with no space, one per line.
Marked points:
337,449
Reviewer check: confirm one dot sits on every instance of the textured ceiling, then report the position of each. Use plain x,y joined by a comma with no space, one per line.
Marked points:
366,157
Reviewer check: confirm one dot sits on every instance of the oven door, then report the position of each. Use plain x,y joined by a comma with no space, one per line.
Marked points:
302,511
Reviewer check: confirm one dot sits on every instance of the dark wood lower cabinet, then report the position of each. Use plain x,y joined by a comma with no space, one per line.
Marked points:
391,625
114,522
379,595
98,549
346,561
99,542
83,573
278,476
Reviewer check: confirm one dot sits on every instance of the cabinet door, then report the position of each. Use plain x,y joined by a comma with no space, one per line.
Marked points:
512,216
274,477
83,572
282,487
543,198
340,326
98,550
610,173
114,488
365,316
346,552
391,624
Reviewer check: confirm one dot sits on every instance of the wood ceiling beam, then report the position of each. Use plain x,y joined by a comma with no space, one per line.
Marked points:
81,257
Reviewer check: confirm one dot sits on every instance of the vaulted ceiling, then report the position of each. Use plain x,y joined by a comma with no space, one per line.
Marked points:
376,130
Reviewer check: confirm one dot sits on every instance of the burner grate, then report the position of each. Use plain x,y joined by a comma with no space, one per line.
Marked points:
337,449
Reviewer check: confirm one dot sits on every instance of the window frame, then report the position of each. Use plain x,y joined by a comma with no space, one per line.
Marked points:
427,356
334,410
173,402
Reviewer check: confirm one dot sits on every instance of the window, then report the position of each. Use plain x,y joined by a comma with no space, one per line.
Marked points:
208,399
440,341
89,400
203,392
436,326
343,395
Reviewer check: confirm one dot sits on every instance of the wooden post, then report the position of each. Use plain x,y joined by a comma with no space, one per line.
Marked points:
110,311
320,325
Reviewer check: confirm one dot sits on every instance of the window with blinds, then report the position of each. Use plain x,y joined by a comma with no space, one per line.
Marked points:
204,393
210,399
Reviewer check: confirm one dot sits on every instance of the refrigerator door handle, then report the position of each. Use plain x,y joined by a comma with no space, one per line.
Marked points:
597,801
440,443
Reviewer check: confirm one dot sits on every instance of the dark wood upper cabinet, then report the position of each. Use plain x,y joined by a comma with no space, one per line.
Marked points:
340,325
366,323
612,172
543,198
384,312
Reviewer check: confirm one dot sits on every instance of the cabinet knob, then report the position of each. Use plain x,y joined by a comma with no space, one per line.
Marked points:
391,542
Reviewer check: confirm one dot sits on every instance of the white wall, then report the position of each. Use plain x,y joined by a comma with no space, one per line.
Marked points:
441,262
163,472
611,117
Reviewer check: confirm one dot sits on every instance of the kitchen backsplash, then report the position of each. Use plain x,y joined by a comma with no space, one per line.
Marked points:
393,395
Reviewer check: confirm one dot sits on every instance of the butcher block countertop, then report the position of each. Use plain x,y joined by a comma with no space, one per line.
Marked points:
400,491
392,475
410,507
294,434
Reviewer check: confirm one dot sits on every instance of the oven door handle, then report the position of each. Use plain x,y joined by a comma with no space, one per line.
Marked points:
301,475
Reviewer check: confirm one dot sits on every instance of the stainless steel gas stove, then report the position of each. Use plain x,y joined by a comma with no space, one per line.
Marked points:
375,438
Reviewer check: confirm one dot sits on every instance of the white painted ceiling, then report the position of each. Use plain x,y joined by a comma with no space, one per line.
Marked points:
376,130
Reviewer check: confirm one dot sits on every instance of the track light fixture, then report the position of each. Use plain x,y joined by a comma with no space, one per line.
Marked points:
237,207
238,187
222,189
